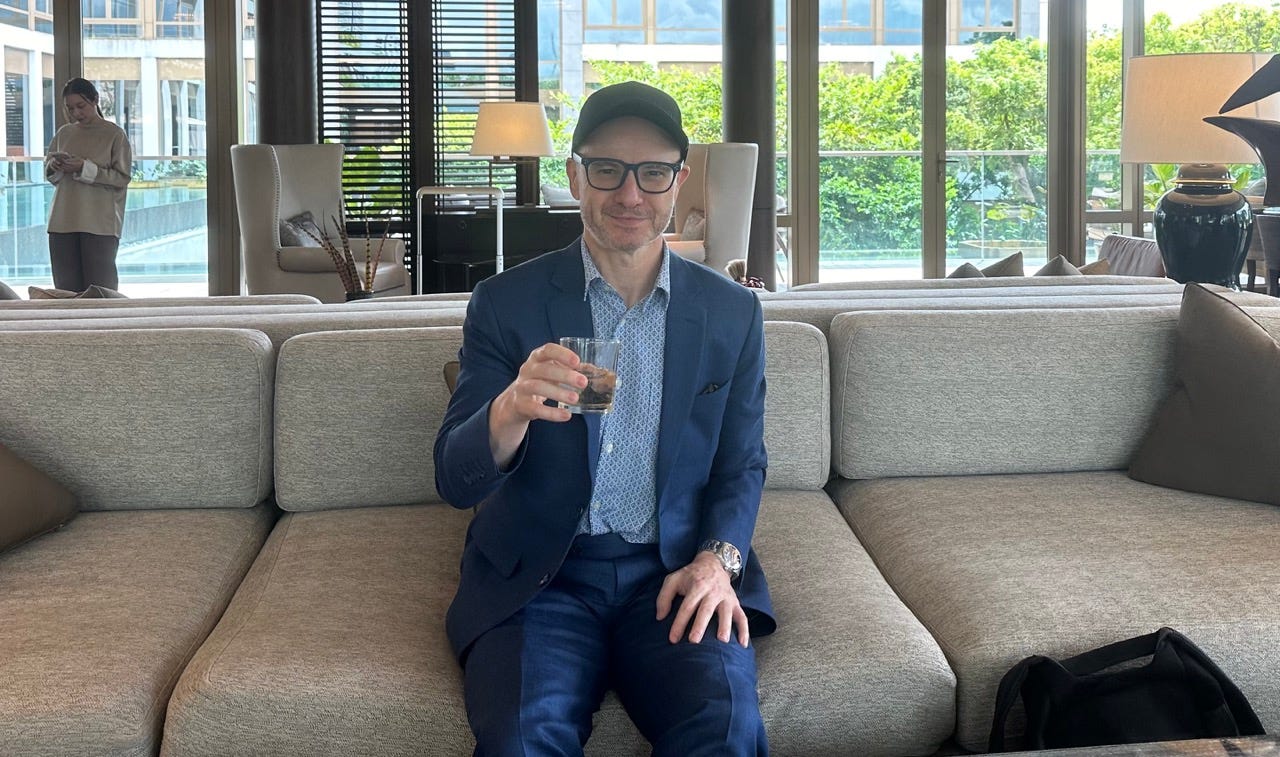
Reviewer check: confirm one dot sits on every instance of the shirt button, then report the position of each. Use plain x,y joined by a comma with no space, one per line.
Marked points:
595,505
608,448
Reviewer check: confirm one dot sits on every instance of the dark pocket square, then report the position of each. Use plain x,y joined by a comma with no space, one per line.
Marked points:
710,388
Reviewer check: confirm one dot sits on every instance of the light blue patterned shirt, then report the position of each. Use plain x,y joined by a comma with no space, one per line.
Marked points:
624,497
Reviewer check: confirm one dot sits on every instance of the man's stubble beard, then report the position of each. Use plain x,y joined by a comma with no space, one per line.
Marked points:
596,222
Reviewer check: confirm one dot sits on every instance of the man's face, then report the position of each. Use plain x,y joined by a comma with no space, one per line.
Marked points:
625,219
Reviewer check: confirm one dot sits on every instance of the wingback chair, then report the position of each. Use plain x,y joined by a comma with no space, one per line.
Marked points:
275,182
721,187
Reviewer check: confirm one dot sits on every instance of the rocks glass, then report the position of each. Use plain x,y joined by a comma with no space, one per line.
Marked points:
600,365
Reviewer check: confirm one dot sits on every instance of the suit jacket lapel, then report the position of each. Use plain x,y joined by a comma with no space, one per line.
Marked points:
683,356
569,314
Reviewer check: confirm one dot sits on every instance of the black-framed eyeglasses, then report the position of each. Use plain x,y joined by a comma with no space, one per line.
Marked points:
606,174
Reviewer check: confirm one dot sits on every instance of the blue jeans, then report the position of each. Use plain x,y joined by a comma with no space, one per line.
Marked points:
533,682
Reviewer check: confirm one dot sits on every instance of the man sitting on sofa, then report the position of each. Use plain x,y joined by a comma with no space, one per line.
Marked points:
607,546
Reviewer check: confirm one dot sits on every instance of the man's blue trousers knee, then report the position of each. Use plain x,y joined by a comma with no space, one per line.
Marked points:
533,682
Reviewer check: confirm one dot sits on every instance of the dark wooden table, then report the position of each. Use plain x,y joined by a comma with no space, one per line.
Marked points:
1249,746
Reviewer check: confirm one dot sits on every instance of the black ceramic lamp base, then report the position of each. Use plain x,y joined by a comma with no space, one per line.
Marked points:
1203,227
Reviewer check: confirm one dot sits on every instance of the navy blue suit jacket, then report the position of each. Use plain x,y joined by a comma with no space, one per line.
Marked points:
711,456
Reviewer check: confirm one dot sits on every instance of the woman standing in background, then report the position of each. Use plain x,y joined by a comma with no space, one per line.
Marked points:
89,164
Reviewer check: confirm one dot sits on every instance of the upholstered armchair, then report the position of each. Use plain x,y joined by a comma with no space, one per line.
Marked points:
717,195
277,182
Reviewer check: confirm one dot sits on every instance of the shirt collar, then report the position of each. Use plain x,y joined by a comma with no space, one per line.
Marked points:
591,273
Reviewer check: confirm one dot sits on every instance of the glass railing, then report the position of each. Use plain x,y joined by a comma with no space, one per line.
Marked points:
165,236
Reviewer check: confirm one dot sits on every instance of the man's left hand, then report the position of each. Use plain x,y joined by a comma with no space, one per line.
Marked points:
707,592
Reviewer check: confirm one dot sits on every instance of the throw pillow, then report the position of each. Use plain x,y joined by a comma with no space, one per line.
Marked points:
1010,266
96,292
966,271
31,503
1096,268
558,197
42,293
695,226
1201,440
6,293
1059,267
294,231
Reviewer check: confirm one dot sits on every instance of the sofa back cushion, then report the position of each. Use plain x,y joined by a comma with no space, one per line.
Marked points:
1002,391
142,419
356,416
797,414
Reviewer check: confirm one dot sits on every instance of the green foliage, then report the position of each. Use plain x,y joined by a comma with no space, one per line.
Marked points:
996,106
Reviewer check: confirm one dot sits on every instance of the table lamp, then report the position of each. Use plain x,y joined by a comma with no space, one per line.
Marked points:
508,132
1202,225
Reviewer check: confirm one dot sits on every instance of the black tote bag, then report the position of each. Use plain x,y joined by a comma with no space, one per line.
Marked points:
1179,694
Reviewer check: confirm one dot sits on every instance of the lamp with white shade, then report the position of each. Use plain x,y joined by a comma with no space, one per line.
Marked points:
1202,225
509,132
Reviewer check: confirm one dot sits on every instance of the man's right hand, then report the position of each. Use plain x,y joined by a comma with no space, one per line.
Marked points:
545,375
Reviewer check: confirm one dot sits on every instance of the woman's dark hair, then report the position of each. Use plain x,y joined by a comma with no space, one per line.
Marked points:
85,89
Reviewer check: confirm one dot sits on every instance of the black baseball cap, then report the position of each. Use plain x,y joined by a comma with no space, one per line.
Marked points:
631,98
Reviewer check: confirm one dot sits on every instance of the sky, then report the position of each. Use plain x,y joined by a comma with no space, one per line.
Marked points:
1107,13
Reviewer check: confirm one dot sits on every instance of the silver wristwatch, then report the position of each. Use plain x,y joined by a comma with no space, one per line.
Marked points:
729,556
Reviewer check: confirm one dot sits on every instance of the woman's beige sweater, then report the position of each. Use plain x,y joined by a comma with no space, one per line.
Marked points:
92,200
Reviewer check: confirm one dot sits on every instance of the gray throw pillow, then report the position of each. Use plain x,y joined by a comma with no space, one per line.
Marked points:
6,293
1059,267
695,226
1202,439
1010,266
966,271
293,231
31,503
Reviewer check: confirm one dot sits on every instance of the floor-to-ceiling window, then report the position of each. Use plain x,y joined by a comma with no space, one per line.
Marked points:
1121,197
147,59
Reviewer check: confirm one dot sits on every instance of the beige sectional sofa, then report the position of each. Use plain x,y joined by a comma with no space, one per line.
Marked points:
263,564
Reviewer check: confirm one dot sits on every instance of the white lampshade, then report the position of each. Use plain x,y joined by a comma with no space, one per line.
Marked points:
512,129
1167,96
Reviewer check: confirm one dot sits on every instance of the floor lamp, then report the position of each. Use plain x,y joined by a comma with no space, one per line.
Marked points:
1202,225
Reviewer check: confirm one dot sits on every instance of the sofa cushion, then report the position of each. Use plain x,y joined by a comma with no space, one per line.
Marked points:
1200,440
98,619
357,414
1002,567
278,325
57,306
6,293
31,503
335,645
953,393
797,417
142,419
983,283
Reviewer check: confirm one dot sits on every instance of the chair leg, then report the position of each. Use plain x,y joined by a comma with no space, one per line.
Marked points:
1251,267
1273,282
